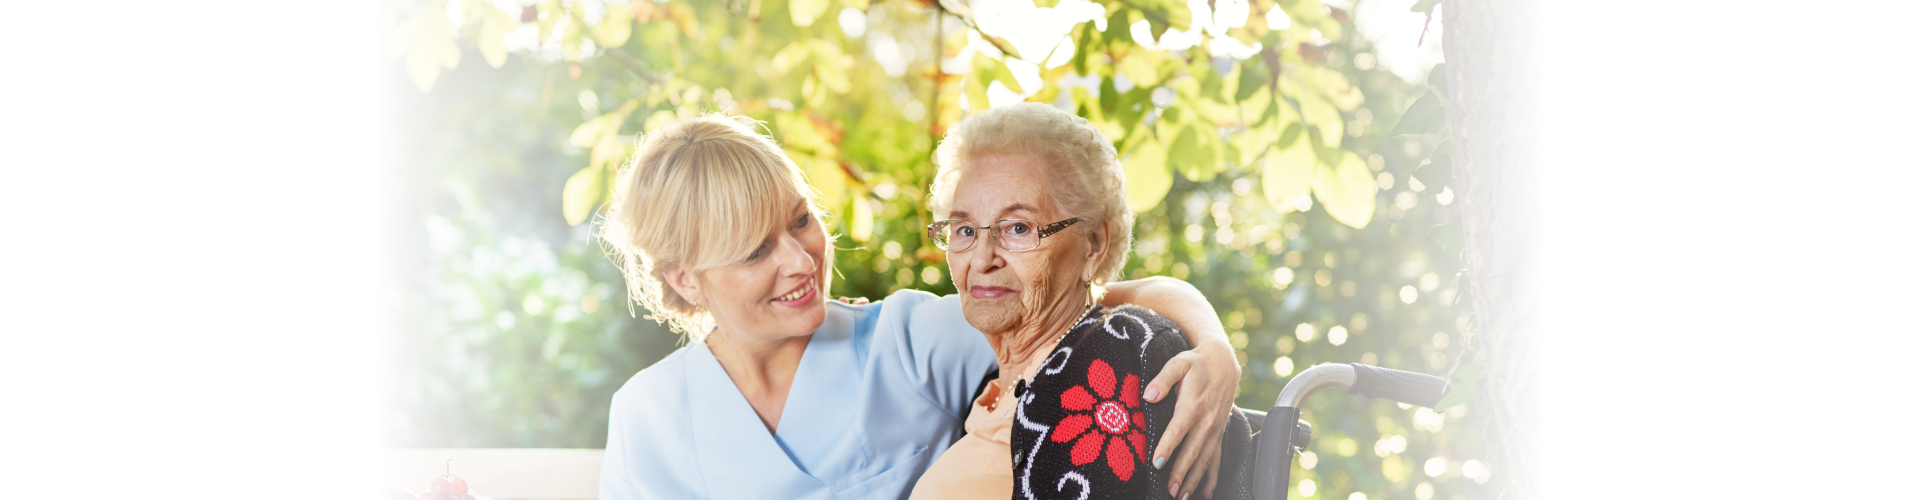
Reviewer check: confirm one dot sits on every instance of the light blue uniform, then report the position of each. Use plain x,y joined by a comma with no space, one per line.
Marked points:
878,396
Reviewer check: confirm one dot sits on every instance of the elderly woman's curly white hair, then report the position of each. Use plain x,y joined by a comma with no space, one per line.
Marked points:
1090,183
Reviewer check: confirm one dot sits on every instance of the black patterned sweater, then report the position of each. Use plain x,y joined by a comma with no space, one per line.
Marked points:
1082,430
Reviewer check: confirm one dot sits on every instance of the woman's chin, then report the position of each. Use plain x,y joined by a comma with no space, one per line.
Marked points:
989,317
807,320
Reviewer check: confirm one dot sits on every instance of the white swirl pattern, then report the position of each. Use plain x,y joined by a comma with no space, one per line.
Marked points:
1027,466
1078,479
1053,365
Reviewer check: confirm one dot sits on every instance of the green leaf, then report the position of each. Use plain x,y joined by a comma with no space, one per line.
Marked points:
1273,110
1251,142
1467,384
1139,70
615,26
658,119
1424,5
1120,19
1324,117
551,13
1438,77
1006,76
1425,116
488,26
1289,173
790,57
1084,44
1192,155
1179,16
1149,177
798,133
1110,98
860,220
587,134
1002,44
1046,3
1331,84
804,12
1254,77
427,41
1437,172
831,65
1460,394
826,176
581,194
1213,86
1347,190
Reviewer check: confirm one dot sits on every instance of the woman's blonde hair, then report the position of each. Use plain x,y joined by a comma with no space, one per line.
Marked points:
1088,181
699,193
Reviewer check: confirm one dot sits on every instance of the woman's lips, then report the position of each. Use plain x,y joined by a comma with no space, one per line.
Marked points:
990,292
812,289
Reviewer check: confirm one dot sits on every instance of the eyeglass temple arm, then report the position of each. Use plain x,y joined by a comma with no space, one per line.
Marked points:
1050,229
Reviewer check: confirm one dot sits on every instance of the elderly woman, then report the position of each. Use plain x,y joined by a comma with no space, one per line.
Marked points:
1036,222
782,394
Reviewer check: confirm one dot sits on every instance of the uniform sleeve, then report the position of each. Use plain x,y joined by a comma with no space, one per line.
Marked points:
945,357
616,484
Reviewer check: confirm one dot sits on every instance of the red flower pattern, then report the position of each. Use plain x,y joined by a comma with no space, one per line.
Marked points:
1105,420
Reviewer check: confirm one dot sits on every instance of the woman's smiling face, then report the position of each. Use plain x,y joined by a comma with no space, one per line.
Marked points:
779,290
1002,290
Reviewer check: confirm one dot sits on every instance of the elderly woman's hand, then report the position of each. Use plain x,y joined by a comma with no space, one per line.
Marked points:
1206,376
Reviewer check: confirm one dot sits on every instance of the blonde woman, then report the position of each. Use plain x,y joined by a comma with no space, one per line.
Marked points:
780,393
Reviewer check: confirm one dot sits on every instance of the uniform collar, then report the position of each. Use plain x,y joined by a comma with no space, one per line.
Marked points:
730,440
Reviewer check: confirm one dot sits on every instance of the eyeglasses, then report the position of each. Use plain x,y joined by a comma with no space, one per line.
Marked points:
1014,235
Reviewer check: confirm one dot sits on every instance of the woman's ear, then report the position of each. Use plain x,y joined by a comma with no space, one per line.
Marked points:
1097,249
684,284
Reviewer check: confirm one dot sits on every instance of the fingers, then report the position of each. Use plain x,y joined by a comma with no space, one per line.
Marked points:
1178,428
1175,371
1205,458
1214,473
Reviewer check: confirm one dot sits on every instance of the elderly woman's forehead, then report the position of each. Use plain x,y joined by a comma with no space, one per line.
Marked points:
997,191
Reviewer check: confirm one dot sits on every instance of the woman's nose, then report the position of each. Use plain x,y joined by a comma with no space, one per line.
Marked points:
984,254
793,256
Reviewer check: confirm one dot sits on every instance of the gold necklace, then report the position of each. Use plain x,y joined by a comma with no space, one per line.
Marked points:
1051,346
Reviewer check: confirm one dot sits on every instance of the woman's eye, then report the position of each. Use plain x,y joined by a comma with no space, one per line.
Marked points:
758,252
965,232
1019,228
803,221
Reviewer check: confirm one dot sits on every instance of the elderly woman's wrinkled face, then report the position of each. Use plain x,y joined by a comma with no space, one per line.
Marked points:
1002,290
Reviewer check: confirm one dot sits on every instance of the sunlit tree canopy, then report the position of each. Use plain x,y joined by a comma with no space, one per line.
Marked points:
1288,158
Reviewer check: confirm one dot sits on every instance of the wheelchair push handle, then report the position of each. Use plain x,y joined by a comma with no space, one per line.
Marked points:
1417,389
1276,447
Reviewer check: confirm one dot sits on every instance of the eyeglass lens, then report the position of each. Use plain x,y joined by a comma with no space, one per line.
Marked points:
1011,234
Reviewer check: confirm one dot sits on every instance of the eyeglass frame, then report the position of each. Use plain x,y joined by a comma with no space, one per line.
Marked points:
1045,231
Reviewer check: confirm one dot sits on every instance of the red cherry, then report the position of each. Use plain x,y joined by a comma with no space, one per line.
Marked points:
460,486
439,485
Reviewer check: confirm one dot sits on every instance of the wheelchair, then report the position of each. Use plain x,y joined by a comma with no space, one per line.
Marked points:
1277,446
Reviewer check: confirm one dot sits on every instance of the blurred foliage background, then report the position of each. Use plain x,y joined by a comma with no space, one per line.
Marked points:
1292,168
